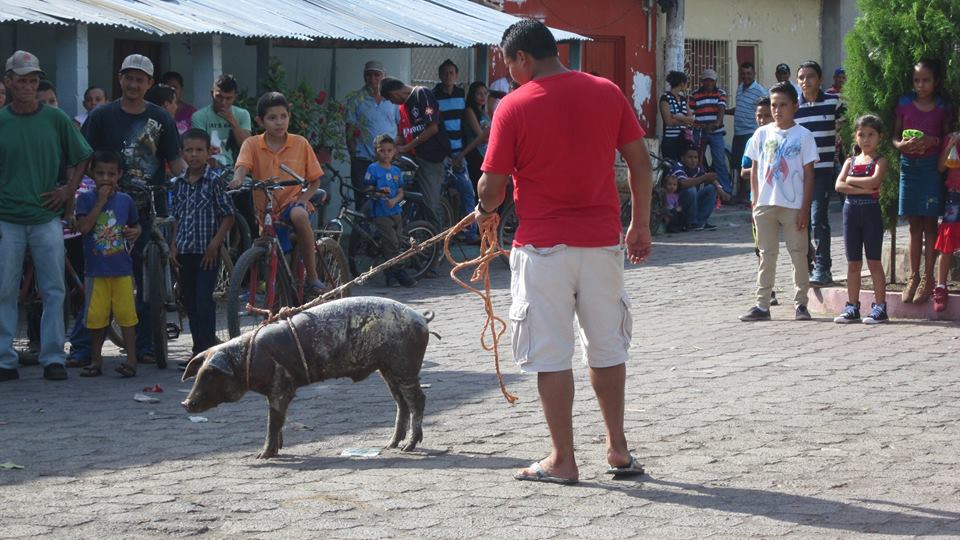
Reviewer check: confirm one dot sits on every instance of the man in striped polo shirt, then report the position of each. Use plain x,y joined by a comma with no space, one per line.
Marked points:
452,101
818,113
749,93
708,103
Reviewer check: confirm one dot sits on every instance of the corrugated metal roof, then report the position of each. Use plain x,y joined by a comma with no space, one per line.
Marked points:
458,23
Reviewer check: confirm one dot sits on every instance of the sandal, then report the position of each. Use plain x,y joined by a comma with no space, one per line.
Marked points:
91,371
126,370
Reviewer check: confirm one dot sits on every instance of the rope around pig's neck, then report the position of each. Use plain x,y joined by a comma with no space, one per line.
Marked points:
490,249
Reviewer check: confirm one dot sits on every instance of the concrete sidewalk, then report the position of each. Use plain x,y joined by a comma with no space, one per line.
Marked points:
779,429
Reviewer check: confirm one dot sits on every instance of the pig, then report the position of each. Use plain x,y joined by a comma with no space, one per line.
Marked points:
352,337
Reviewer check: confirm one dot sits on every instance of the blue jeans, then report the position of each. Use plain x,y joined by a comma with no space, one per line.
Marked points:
468,199
197,284
823,182
698,203
46,248
718,156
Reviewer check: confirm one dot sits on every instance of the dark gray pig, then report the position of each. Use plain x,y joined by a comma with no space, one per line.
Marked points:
352,338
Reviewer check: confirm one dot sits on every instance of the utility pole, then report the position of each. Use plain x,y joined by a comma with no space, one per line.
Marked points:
673,41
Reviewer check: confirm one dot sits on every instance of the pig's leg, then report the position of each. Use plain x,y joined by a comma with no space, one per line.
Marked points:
416,400
279,400
403,411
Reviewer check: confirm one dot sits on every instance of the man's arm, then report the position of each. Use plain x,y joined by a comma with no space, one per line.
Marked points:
754,186
639,175
212,252
65,195
240,133
423,137
803,218
491,190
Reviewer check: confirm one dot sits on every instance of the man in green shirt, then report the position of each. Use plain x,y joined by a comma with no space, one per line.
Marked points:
227,124
35,139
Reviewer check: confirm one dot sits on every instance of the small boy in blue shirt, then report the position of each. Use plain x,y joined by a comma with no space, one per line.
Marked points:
384,181
204,214
109,222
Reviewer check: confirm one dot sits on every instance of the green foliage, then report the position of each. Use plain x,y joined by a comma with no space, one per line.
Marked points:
889,37
313,114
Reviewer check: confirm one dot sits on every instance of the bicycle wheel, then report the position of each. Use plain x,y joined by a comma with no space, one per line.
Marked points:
247,293
238,238
507,228
362,251
332,265
154,284
419,231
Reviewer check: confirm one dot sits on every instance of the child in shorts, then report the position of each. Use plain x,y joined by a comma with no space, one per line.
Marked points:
109,222
860,180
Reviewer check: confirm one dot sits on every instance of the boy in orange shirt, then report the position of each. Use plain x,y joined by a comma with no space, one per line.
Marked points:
261,157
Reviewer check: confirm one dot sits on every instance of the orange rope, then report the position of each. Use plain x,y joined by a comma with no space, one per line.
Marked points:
489,251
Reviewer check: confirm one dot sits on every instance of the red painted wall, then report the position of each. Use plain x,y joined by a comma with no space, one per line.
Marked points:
621,46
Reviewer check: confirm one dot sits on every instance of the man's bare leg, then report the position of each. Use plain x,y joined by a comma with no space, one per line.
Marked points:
608,383
556,397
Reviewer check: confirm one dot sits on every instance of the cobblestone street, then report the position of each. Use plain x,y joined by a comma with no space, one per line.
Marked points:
780,429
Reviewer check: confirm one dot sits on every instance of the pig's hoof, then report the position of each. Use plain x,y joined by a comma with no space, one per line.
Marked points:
267,453
410,446
394,443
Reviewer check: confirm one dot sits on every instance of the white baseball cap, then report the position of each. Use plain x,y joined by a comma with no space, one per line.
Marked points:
24,63
709,74
137,61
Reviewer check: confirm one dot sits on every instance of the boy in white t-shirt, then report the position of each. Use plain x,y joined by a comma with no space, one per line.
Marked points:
781,181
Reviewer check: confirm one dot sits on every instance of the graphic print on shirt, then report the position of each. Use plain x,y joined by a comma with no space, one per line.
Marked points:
108,235
778,151
140,151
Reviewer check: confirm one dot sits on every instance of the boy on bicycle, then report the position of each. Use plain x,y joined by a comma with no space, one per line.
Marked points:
384,182
109,222
262,155
204,214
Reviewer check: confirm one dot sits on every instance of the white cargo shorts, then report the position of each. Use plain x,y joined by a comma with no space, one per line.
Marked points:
559,290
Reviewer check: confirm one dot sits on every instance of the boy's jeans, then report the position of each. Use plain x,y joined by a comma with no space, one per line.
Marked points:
698,203
719,159
198,284
468,199
819,217
769,220
46,248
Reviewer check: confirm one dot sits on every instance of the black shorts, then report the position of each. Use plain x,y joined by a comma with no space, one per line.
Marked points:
862,229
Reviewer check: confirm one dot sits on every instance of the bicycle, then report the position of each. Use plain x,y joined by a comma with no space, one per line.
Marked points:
364,249
265,262
662,167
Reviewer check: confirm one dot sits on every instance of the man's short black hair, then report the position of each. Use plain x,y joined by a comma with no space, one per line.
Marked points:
106,156
271,99
46,85
688,146
390,84
812,65
166,77
447,62
786,88
764,102
159,94
530,36
196,134
226,83
747,65
86,92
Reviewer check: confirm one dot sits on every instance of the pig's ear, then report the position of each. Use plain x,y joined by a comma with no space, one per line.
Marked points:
221,362
194,366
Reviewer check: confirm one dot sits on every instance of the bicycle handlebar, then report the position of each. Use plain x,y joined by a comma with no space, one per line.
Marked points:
266,185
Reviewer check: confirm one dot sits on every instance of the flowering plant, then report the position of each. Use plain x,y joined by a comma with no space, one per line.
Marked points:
314,115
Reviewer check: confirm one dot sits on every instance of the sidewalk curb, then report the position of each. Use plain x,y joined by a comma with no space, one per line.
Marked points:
833,299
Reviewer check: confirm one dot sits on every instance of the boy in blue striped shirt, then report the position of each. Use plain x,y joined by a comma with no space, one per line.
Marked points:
204,215
818,113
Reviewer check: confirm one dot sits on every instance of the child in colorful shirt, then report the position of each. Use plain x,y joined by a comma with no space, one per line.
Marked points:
384,181
948,235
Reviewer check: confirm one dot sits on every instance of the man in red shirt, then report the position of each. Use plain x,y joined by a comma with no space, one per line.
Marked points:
567,257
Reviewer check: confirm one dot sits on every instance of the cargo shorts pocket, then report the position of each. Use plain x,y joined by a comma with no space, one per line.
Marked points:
521,327
626,320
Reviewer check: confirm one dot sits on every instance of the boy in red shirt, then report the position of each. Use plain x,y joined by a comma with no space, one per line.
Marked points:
567,257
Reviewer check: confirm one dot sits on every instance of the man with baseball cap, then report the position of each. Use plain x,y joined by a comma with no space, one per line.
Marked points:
146,138
783,74
34,140
709,103
368,115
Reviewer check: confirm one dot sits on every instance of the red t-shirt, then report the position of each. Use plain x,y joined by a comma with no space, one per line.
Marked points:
558,136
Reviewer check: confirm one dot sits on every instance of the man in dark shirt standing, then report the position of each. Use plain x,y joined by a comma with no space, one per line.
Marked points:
452,100
425,139
148,142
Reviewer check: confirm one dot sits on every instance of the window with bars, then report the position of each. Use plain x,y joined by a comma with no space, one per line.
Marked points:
701,54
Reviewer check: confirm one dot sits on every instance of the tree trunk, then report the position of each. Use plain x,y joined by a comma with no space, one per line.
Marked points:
673,44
